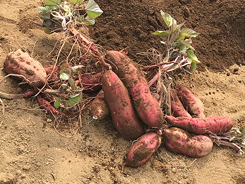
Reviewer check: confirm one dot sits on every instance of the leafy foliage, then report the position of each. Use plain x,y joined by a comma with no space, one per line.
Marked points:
178,39
70,93
58,14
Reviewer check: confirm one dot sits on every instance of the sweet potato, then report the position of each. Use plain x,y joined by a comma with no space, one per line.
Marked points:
118,100
191,102
178,141
177,108
21,63
133,78
142,149
91,83
56,72
214,124
99,109
48,107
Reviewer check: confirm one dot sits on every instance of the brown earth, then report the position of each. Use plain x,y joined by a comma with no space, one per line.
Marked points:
31,151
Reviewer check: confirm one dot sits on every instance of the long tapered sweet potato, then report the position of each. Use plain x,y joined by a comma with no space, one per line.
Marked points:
133,78
214,124
122,111
177,108
142,149
21,63
99,109
191,102
178,141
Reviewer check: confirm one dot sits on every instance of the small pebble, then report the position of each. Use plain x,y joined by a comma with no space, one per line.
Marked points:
49,120
174,170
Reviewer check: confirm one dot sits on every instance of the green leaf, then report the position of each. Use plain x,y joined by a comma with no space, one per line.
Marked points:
76,68
57,103
44,12
187,44
189,33
167,18
92,9
71,82
77,1
64,76
193,66
182,49
174,25
161,33
62,70
89,21
64,86
52,2
74,99
192,56
47,30
47,23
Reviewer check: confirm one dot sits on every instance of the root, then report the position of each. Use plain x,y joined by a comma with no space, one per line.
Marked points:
17,96
90,44
3,106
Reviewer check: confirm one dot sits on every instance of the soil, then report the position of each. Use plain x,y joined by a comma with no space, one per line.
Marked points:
31,149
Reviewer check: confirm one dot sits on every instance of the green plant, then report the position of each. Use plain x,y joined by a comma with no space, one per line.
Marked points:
57,15
69,93
178,40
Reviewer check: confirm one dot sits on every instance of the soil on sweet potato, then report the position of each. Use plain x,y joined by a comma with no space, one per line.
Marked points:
31,150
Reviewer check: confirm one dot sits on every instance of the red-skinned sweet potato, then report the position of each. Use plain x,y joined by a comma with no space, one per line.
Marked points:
122,111
177,108
191,102
142,149
99,109
21,63
56,72
133,78
91,83
178,141
48,107
214,124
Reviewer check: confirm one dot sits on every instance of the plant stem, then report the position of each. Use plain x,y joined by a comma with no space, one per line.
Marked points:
17,96
229,144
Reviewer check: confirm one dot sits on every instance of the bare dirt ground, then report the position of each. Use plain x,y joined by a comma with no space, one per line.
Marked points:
31,150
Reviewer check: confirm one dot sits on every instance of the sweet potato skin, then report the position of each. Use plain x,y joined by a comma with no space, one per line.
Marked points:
177,108
214,124
133,78
191,102
118,100
142,149
99,109
91,83
178,141
56,72
21,63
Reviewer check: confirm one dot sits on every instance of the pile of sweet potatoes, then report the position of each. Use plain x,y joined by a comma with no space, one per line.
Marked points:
125,96
133,109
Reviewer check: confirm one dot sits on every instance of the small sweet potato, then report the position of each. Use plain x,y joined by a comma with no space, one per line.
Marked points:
56,72
118,100
177,108
133,78
178,141
142,149
91,83
214,124
99,109
191,102
21,63
48,107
